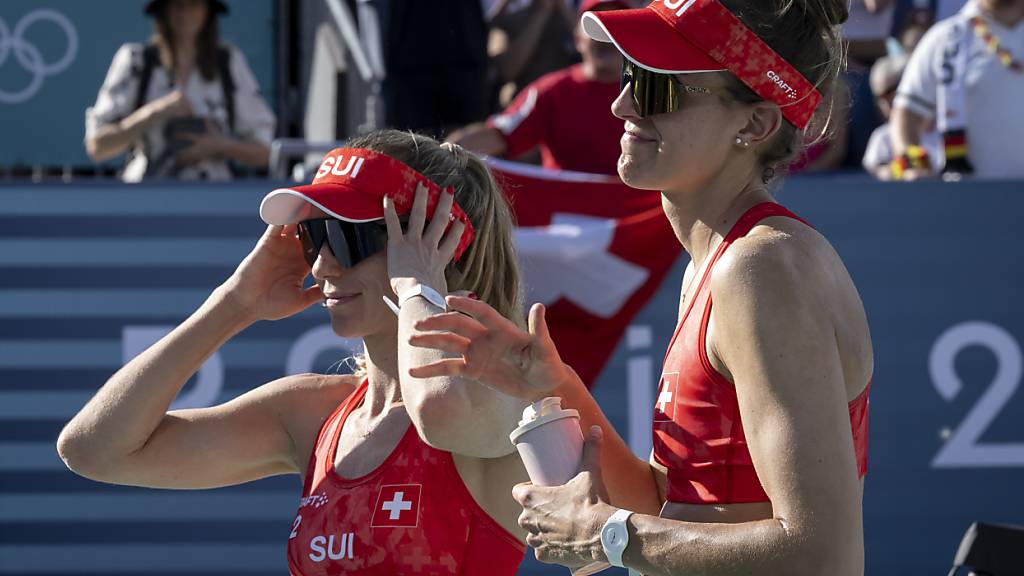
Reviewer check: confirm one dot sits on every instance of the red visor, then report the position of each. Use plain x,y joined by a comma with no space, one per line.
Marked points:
350,185
689,36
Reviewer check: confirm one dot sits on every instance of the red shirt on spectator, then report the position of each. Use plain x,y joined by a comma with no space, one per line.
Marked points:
569,117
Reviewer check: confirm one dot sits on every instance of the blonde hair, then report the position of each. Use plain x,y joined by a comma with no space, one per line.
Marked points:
489,267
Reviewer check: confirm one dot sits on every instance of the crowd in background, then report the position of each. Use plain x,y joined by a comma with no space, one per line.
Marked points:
516,78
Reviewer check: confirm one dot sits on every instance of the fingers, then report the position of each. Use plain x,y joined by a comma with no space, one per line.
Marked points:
418,215
394,226
439,220
447,367
312,295
521,493
443,341
538,323
454,322
591,460
480,310
451,240
288,230
527,522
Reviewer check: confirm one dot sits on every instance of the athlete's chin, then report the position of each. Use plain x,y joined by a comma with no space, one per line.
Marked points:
635,172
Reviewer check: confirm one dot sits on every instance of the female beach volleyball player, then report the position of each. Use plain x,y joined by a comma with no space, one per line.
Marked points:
401,475
760,422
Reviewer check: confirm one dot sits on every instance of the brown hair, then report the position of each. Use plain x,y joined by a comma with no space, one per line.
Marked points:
207,43
806,33
489,266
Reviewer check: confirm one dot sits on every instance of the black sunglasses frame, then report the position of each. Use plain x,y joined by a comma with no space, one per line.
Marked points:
349,242
654,92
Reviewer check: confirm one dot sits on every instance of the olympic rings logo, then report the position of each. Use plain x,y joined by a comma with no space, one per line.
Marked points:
29,56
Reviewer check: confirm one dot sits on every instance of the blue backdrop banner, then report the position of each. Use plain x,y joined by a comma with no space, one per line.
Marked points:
90,275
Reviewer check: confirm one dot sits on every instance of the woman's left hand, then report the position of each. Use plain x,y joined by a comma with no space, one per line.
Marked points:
209,144
565,522
420,254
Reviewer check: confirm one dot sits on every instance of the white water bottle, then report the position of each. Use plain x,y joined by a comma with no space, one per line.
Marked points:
550,444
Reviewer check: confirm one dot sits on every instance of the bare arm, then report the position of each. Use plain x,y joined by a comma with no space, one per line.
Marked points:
632,483
249,152
112,139
496,353
776,335
479,138
450,412
908,128
125,434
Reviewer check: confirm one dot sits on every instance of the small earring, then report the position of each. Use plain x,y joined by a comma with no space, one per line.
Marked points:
742,142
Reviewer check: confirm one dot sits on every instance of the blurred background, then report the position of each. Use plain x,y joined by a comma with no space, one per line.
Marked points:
126,195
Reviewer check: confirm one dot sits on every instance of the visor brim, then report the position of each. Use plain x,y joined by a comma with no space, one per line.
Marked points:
648,41
290,205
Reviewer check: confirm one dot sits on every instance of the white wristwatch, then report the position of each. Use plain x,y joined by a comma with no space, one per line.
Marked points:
615,537
431,295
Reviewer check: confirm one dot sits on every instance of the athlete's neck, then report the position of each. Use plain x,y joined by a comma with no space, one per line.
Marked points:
702,217
384,391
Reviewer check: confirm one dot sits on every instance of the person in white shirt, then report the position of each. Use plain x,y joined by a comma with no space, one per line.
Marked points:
885,77
966,75
184,105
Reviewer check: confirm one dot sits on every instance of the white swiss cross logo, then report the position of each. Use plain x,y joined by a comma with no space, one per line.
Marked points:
665,405
398,505
571,259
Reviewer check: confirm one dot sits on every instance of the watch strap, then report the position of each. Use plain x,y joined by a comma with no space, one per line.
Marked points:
431,295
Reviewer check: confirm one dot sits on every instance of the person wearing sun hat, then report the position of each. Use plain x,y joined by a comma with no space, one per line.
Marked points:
760,420
183,105
401,475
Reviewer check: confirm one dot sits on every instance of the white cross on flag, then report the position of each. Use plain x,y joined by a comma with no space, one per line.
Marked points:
398,505
593,250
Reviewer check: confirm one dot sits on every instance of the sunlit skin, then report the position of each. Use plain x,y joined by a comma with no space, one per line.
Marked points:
787,329
126,435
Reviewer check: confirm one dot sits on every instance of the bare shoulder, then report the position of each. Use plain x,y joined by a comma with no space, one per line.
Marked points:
303,402
784,283
783,261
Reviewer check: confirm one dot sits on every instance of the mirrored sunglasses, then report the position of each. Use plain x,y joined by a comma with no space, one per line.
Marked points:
653,92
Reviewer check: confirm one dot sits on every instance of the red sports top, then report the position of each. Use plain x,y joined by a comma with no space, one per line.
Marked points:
698,434
410,516
569,117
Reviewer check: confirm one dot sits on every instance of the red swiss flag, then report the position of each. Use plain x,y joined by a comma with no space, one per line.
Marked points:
593,250
398,505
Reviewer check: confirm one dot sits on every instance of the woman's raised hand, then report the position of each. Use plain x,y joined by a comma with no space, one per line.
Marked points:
420,254
268,284
493,350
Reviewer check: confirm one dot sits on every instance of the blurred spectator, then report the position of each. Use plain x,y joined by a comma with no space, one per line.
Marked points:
566,113
885,77
184,104
870,23
967,75
529,38
436,62
915,24
866,30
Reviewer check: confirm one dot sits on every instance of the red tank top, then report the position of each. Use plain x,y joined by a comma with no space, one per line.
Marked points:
412,515
698,434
